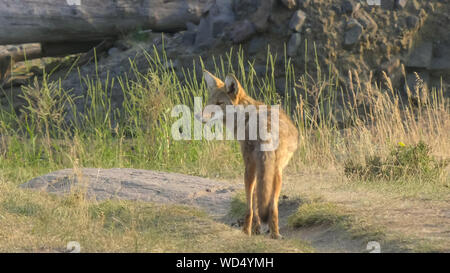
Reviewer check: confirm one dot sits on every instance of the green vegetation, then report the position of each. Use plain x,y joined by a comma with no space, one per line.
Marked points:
403,162
312,214
238,206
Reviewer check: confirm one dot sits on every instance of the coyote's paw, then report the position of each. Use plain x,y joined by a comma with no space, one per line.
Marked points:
276,236
247,231
256,230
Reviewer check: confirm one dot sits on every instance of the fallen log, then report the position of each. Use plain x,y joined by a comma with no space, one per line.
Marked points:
30,21
17,53
23,52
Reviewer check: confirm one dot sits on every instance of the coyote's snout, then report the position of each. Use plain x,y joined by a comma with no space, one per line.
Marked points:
263,168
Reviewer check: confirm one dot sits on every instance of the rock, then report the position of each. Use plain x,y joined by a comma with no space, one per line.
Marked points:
143,185
188,38
191,27
203,38
440,64
353,33
366,21
440,67
440,49
261,17
297,20
218,27
421,56
400,4
256,44
220,15
293,44
372,2
244,7
412,22
336,8
349,7
290,4
387,4
242,31
210,27
113,51
304,3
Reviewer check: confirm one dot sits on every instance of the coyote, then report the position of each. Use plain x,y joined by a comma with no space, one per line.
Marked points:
263,169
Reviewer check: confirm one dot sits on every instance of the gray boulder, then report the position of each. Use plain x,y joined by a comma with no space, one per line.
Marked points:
412,22
242,31
188,38
400,4
353,33
220,15
350,6
387,4
440,64
293,44
290,4
203,37
367,21
421,56
113,51
191,27
297,20
256,44
143,185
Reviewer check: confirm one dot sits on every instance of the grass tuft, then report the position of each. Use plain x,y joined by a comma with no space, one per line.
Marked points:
403,162
313,214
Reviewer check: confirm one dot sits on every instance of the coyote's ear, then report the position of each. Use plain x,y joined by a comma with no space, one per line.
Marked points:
211,81
232,85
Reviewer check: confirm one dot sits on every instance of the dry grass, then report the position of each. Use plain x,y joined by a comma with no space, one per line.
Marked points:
38,222
377,119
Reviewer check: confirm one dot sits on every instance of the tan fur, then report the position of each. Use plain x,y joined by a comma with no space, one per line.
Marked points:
263,169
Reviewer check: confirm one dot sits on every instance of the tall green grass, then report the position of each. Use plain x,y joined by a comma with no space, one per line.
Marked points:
336,122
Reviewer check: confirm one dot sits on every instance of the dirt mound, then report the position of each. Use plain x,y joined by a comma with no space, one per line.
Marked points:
132,184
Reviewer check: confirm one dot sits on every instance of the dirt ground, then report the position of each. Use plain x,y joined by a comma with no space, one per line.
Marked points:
408,223
414,221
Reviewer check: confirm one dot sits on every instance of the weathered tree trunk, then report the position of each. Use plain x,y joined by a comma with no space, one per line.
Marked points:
19,53
16,53
29,21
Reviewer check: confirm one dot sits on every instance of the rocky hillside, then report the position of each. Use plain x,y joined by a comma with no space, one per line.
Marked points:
399,37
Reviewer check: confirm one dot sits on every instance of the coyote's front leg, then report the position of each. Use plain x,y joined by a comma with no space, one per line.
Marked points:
273,214
256,220
249,180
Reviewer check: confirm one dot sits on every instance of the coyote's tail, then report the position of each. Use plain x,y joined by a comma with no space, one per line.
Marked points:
265,186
